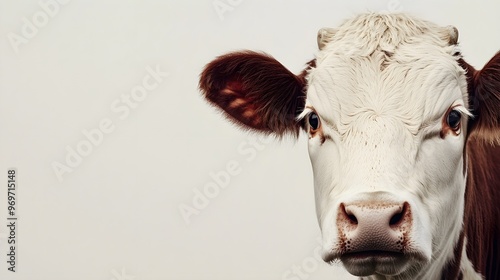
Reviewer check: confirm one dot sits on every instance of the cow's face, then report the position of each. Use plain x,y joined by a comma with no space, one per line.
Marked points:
385,105
386,120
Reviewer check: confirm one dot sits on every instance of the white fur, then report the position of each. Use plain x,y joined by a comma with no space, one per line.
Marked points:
381,88
467,268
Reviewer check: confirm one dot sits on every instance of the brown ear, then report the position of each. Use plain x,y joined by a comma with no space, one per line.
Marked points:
484,100
255,91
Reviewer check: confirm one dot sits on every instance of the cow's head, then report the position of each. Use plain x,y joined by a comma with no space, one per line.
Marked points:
386,107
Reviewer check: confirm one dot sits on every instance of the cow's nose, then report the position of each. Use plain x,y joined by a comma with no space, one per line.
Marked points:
378,213
374,226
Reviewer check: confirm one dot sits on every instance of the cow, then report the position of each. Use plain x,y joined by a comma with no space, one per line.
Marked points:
403,138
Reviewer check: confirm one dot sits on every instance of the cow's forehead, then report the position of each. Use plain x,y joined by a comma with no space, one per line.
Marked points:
389,65
364,34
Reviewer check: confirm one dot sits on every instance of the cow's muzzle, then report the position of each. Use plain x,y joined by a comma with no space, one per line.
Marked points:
374,237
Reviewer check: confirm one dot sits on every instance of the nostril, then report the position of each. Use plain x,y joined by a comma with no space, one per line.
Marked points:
349,215
399,216
396,219
353,219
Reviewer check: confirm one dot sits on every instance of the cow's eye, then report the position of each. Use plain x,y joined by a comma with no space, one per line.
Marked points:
453,119
314,121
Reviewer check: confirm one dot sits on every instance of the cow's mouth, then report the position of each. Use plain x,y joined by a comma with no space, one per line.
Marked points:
366,263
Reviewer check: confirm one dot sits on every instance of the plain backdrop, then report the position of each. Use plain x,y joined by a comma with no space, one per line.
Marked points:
114,212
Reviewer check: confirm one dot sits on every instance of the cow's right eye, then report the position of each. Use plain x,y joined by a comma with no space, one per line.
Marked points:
314,122
453,119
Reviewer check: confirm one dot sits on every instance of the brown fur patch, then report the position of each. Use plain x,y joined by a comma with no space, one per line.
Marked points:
482,206
482,196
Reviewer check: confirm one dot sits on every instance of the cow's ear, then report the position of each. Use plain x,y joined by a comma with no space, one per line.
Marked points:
484,100
255,91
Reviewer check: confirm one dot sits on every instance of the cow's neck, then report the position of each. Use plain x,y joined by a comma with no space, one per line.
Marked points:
453,270
460,267
482,208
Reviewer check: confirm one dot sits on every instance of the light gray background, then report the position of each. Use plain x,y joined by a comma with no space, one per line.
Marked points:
116,215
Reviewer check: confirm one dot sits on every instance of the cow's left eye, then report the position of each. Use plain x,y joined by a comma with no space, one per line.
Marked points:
453,119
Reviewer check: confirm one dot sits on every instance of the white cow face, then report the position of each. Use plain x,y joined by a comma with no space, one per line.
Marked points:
385,106
386,118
